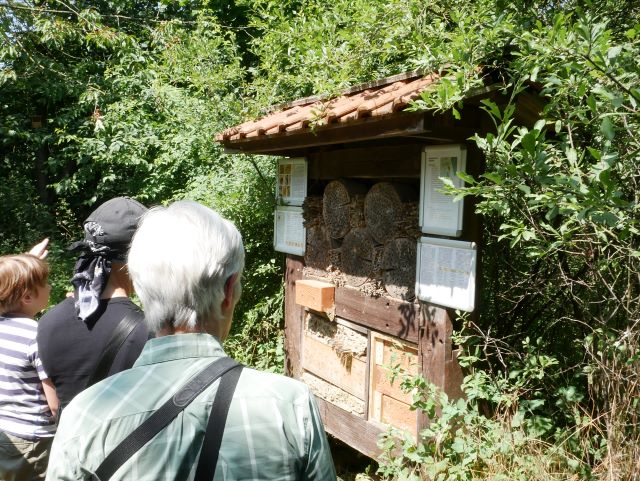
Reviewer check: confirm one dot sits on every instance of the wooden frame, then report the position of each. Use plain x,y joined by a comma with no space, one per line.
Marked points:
367,150
371,151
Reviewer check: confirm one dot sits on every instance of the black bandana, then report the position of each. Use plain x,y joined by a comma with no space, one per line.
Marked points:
91,274
107,234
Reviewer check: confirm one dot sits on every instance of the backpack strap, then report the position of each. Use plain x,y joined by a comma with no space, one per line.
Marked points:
163,416
120,334
215,427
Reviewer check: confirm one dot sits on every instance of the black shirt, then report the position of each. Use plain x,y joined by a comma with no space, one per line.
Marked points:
71,348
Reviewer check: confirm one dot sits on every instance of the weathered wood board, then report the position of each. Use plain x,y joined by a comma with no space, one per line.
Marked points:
388,403
347,372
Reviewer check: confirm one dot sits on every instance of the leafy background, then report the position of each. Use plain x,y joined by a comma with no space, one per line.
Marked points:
108,98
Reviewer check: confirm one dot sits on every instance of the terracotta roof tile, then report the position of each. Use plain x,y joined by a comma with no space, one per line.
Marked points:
368,101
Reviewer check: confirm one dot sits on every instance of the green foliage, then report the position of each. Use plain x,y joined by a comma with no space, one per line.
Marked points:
316,47
559,200
506,427
244,194
123,97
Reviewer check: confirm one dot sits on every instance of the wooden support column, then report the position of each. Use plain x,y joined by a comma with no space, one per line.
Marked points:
439,361
435,344
293,317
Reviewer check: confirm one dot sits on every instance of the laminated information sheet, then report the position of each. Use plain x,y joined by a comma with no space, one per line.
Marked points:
292,181
289,232
439,213
446,273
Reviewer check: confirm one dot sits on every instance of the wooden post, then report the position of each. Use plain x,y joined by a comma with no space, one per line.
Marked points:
293,317
438,358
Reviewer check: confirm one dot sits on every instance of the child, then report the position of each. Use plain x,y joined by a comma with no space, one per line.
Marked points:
28,400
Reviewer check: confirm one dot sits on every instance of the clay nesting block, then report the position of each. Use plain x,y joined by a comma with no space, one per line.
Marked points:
316,295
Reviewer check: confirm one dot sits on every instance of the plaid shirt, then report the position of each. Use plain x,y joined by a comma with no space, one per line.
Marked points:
273,431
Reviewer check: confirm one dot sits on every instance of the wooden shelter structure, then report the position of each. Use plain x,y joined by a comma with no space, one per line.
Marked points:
353,306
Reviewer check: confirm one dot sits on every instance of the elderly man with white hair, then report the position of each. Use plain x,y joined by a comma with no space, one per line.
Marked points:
186,411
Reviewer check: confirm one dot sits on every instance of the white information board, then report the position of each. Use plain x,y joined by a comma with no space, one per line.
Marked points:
289,232
439,214
446,273
292,181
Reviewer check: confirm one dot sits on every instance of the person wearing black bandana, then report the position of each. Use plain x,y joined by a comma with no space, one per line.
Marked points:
74,335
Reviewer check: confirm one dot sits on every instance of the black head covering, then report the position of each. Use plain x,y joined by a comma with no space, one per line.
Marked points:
107,234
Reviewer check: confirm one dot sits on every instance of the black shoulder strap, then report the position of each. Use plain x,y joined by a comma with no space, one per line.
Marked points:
215,427
120,334
163,416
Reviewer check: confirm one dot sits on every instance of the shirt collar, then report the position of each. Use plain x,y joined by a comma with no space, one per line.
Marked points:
179,346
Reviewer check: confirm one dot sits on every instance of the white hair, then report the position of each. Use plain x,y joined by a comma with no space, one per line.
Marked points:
181,257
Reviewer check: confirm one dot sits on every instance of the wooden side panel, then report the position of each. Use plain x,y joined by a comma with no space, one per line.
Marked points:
353,430
346,372
388,410
381,384
390,316
388,404
293,317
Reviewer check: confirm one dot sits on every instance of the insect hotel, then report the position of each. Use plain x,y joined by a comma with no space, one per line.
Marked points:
378,256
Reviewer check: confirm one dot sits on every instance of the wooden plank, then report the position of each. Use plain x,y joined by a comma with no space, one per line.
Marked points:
388,403
350,429
397,161
334,395
398,414
293,317
383,314
381,384
435,344
369,128
323,361
367,410
389,353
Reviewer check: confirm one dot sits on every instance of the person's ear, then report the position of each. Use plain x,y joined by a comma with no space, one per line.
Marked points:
27,298
26,301
229,290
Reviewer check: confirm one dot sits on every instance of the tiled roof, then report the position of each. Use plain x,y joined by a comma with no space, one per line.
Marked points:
373,100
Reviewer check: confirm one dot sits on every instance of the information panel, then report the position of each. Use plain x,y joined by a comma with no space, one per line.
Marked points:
446,273
439,213
289,232
292,181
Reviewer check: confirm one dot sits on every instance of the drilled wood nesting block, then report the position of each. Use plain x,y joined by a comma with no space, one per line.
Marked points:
316,295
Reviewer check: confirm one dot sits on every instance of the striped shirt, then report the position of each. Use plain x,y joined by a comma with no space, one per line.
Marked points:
273,431
24,411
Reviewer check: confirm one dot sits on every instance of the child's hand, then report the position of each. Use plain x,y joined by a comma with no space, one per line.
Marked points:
40,249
